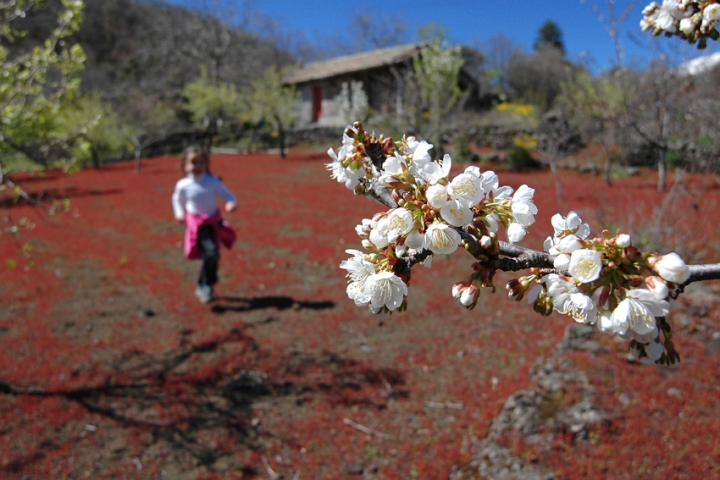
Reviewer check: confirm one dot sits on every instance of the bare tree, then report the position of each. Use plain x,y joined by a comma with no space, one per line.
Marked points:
371,30
657,110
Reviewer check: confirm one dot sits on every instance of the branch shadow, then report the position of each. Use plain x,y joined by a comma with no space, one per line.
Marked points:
241,304
50,195
209,387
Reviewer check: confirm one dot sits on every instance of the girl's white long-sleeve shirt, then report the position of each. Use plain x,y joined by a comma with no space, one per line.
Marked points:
198,195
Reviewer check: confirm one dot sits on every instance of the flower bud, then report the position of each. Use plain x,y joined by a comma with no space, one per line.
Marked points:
623,240
485,241
672,268
367,244
543,306
515,290
469,296
457,289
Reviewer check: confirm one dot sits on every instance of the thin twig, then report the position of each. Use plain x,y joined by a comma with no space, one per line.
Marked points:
273,475
364,429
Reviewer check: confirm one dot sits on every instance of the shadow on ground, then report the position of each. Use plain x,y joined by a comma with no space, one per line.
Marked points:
176,398
240,304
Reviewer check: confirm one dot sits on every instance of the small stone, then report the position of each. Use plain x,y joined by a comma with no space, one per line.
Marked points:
674,392
353,468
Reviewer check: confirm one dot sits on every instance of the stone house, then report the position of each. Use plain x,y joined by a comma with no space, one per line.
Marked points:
382,73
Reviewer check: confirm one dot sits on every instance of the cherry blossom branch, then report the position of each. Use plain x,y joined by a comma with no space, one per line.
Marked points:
516,258
604,281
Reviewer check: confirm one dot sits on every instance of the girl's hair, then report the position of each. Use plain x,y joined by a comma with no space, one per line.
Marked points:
193,150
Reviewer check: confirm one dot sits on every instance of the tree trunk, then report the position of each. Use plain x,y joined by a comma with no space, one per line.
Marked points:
138,153
281,138
663,151
95,158
556,176
608,165
661,169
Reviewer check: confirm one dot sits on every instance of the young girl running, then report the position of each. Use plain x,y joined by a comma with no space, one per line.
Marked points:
195,204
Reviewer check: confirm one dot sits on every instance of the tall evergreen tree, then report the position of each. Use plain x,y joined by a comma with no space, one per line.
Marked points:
550,35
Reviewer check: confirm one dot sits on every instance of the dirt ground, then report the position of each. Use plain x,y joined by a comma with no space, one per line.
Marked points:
110,368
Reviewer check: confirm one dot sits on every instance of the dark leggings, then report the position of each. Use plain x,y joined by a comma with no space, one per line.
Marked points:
210,255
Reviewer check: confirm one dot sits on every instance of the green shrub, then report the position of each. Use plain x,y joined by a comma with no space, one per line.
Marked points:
520,159
674,158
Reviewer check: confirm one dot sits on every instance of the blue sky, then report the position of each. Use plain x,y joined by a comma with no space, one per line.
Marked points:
474,21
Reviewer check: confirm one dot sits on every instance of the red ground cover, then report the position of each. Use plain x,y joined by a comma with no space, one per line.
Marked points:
110,368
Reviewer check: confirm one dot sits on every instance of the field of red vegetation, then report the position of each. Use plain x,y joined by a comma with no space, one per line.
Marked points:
110,368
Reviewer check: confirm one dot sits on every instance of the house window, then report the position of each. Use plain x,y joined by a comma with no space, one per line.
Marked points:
317,97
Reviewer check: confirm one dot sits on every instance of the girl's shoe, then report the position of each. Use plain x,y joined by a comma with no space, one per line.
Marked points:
204,293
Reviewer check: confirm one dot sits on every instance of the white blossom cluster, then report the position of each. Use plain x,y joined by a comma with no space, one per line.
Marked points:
692,20
432,212
609,283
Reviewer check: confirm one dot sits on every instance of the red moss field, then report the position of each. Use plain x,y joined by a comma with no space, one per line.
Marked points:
110,368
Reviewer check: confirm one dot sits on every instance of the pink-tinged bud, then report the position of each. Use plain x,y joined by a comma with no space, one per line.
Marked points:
378,216
457,289
485,241
604,295
395,195
657,287
469,296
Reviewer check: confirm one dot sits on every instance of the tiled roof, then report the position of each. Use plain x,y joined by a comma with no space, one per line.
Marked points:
352,63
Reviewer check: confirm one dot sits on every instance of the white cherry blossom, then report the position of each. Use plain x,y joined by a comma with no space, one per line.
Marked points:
359,270
441,238
414,239
437,196
559,291
467,188
385,289
456,213
585,265
562,224
516,232
400,222
433,172
522,206
562,262
379,234
472,170
490,182
392,168
635,316
687,25
569,244
581,308
502,193
343,174
419,150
